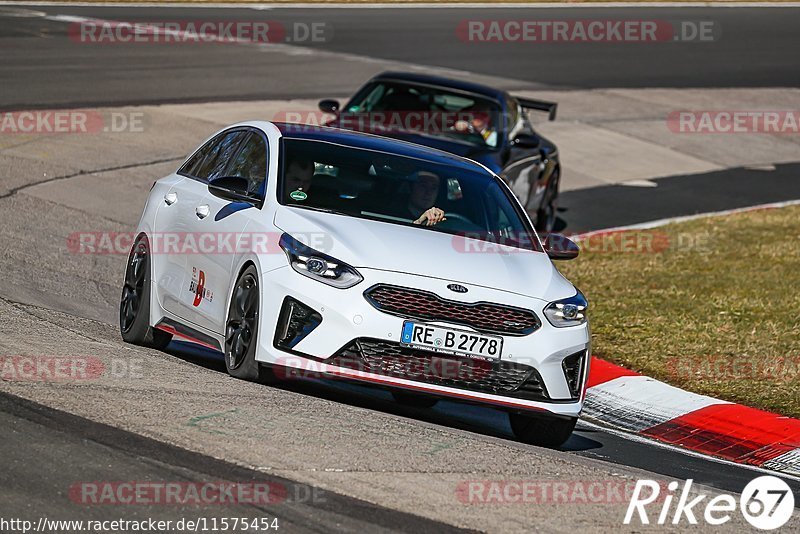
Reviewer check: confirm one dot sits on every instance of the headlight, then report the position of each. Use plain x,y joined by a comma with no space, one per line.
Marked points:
567,312
317,265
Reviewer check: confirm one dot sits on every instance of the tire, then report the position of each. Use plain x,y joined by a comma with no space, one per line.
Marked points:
542,431
546,214
241,330
412,399
134,305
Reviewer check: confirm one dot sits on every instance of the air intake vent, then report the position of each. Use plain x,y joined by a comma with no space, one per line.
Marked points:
573,366
296,321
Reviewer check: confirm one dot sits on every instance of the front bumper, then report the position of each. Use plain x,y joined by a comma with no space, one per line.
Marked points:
357,341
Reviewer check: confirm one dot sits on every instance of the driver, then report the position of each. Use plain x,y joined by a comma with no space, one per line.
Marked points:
480,122
424,191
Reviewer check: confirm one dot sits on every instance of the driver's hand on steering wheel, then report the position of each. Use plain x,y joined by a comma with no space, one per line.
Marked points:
431,217
462,126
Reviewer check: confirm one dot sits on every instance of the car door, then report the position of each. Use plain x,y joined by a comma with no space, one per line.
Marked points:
180,217
211,275
522,159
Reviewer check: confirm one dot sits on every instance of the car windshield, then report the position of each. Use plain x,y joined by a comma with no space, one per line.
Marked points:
376,185
424,110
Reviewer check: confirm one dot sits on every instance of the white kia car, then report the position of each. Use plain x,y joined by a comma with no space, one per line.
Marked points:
292,248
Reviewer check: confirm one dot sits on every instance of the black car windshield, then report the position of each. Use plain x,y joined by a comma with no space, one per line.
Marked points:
425,110
372,184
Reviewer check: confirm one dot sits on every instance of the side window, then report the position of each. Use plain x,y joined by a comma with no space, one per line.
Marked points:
219,158
191,167
251,163
212,160
517,119
370,100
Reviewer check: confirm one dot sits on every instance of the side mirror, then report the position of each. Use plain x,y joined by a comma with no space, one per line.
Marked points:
329,106
524,140
560,247
233,188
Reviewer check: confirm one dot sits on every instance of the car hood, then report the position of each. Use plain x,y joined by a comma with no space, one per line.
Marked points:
391,247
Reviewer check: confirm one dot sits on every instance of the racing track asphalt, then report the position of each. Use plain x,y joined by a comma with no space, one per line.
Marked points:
42,447
41,67
610,206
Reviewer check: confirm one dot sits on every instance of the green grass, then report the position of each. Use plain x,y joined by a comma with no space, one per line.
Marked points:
717,314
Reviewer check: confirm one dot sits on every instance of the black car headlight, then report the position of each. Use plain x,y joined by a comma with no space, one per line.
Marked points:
567,312
318,265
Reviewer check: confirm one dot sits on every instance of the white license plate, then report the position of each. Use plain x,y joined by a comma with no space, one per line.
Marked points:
450,341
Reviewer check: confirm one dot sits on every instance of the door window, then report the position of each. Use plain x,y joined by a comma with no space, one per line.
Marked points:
251,164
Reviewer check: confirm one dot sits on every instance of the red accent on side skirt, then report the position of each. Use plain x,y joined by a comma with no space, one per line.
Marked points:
168,329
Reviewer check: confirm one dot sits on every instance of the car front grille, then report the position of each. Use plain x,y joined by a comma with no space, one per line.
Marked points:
489,376
423,305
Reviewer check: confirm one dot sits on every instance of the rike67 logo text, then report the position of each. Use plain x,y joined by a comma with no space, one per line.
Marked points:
766,503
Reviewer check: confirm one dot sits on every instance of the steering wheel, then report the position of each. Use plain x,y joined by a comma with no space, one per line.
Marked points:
458,217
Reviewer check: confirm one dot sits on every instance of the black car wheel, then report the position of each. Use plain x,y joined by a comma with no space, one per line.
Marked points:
546,215
542,431
134,306
241,330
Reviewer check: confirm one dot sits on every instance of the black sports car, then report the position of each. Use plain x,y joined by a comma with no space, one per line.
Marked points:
484,124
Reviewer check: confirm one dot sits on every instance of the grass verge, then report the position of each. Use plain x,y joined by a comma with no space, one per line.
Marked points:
710,305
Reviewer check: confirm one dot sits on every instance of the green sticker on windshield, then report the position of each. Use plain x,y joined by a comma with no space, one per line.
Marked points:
298,195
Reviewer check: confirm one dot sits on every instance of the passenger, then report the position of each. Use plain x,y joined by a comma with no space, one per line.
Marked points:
298,177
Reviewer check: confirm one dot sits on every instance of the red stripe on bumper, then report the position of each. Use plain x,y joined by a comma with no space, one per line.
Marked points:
466,396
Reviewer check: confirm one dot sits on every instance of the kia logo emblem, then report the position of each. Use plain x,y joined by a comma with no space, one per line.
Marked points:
458,288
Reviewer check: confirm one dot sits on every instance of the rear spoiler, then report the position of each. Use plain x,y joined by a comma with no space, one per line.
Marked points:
540,105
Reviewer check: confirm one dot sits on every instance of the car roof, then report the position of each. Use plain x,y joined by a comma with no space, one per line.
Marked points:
368,141
439,81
